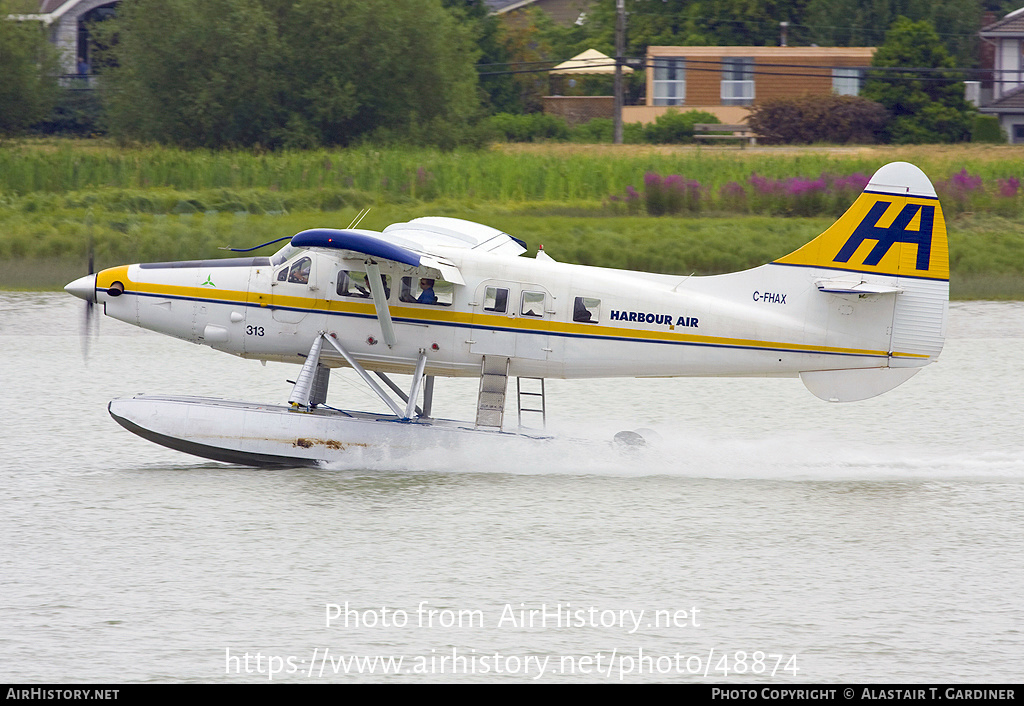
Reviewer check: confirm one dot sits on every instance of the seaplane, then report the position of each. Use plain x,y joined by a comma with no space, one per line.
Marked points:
853,313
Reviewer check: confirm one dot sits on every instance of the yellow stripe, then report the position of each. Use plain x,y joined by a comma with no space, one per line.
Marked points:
448,316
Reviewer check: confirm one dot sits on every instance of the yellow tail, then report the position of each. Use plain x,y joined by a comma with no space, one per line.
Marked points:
895,227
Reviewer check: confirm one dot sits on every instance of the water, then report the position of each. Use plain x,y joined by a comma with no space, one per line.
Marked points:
772,538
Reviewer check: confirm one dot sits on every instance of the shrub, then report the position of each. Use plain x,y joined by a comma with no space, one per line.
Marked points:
598,130
593,131
809,119
986,128
675,127
528,128
77,113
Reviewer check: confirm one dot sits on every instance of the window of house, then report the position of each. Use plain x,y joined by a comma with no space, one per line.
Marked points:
846,82
533,304
586,310
424,290
496,300
669,81
737,81
355,284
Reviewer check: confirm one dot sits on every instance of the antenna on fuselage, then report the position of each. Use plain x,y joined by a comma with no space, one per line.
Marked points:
359,217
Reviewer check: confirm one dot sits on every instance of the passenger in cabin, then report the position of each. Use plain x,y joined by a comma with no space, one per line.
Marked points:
580,312
357,284
427,295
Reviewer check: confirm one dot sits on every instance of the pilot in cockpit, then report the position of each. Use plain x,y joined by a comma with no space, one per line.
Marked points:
427,295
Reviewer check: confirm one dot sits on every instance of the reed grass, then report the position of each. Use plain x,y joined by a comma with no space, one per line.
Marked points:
549,172
154,203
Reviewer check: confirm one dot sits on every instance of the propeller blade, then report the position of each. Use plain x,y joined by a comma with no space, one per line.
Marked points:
91,324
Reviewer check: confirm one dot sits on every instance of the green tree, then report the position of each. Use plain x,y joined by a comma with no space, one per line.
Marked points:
927,104
865,22
297,74
498,89
28,68
197,73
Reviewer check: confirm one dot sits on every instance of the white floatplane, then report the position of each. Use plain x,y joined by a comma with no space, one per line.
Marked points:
853,313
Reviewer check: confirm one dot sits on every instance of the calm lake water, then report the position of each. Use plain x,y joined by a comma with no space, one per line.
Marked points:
771,537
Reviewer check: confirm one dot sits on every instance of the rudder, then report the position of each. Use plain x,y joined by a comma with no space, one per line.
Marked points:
892,239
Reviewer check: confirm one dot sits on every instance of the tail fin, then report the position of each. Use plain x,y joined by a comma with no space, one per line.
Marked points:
895,227
892,239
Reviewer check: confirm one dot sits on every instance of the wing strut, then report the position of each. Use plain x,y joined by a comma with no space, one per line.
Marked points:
380,302
399,391
363,374
311,385
417,379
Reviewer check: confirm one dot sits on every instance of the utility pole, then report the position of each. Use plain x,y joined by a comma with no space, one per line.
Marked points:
620,49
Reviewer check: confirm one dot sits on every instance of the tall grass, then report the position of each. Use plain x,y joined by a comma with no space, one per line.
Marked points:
397,174
158,203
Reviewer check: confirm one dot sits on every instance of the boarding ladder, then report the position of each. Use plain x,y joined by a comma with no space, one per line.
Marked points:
490,403
533,398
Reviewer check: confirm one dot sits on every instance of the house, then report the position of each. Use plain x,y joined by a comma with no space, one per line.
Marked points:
725,81
1007,98
67,22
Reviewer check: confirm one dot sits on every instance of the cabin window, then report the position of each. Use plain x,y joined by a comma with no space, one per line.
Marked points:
297,273
355,284
424,290
669,81
496,300
533,304
586,310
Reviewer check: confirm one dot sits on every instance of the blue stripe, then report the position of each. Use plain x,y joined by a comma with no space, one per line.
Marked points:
479,327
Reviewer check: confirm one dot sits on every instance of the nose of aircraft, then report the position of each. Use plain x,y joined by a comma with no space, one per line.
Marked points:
83,288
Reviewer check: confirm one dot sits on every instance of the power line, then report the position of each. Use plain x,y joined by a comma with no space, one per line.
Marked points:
885,73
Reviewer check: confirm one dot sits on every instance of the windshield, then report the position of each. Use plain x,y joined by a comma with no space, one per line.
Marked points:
284,254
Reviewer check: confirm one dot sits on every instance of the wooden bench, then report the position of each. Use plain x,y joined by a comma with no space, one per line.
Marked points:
742,133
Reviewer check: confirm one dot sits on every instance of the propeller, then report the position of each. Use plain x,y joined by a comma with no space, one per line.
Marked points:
85,288
91,323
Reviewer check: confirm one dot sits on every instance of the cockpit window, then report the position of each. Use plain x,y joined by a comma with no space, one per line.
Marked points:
283,255
424,290
355,284
298,272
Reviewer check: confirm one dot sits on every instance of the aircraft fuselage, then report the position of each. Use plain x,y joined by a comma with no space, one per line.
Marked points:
551,319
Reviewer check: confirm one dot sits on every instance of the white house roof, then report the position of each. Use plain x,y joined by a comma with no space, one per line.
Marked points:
589,62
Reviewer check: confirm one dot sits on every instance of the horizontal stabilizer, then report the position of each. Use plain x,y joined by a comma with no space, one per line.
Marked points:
854,286
854,385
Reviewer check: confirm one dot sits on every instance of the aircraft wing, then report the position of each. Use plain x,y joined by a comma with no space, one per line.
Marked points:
353,244
417,244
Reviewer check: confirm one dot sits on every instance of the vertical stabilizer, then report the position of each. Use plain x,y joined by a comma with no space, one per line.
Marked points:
892,239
